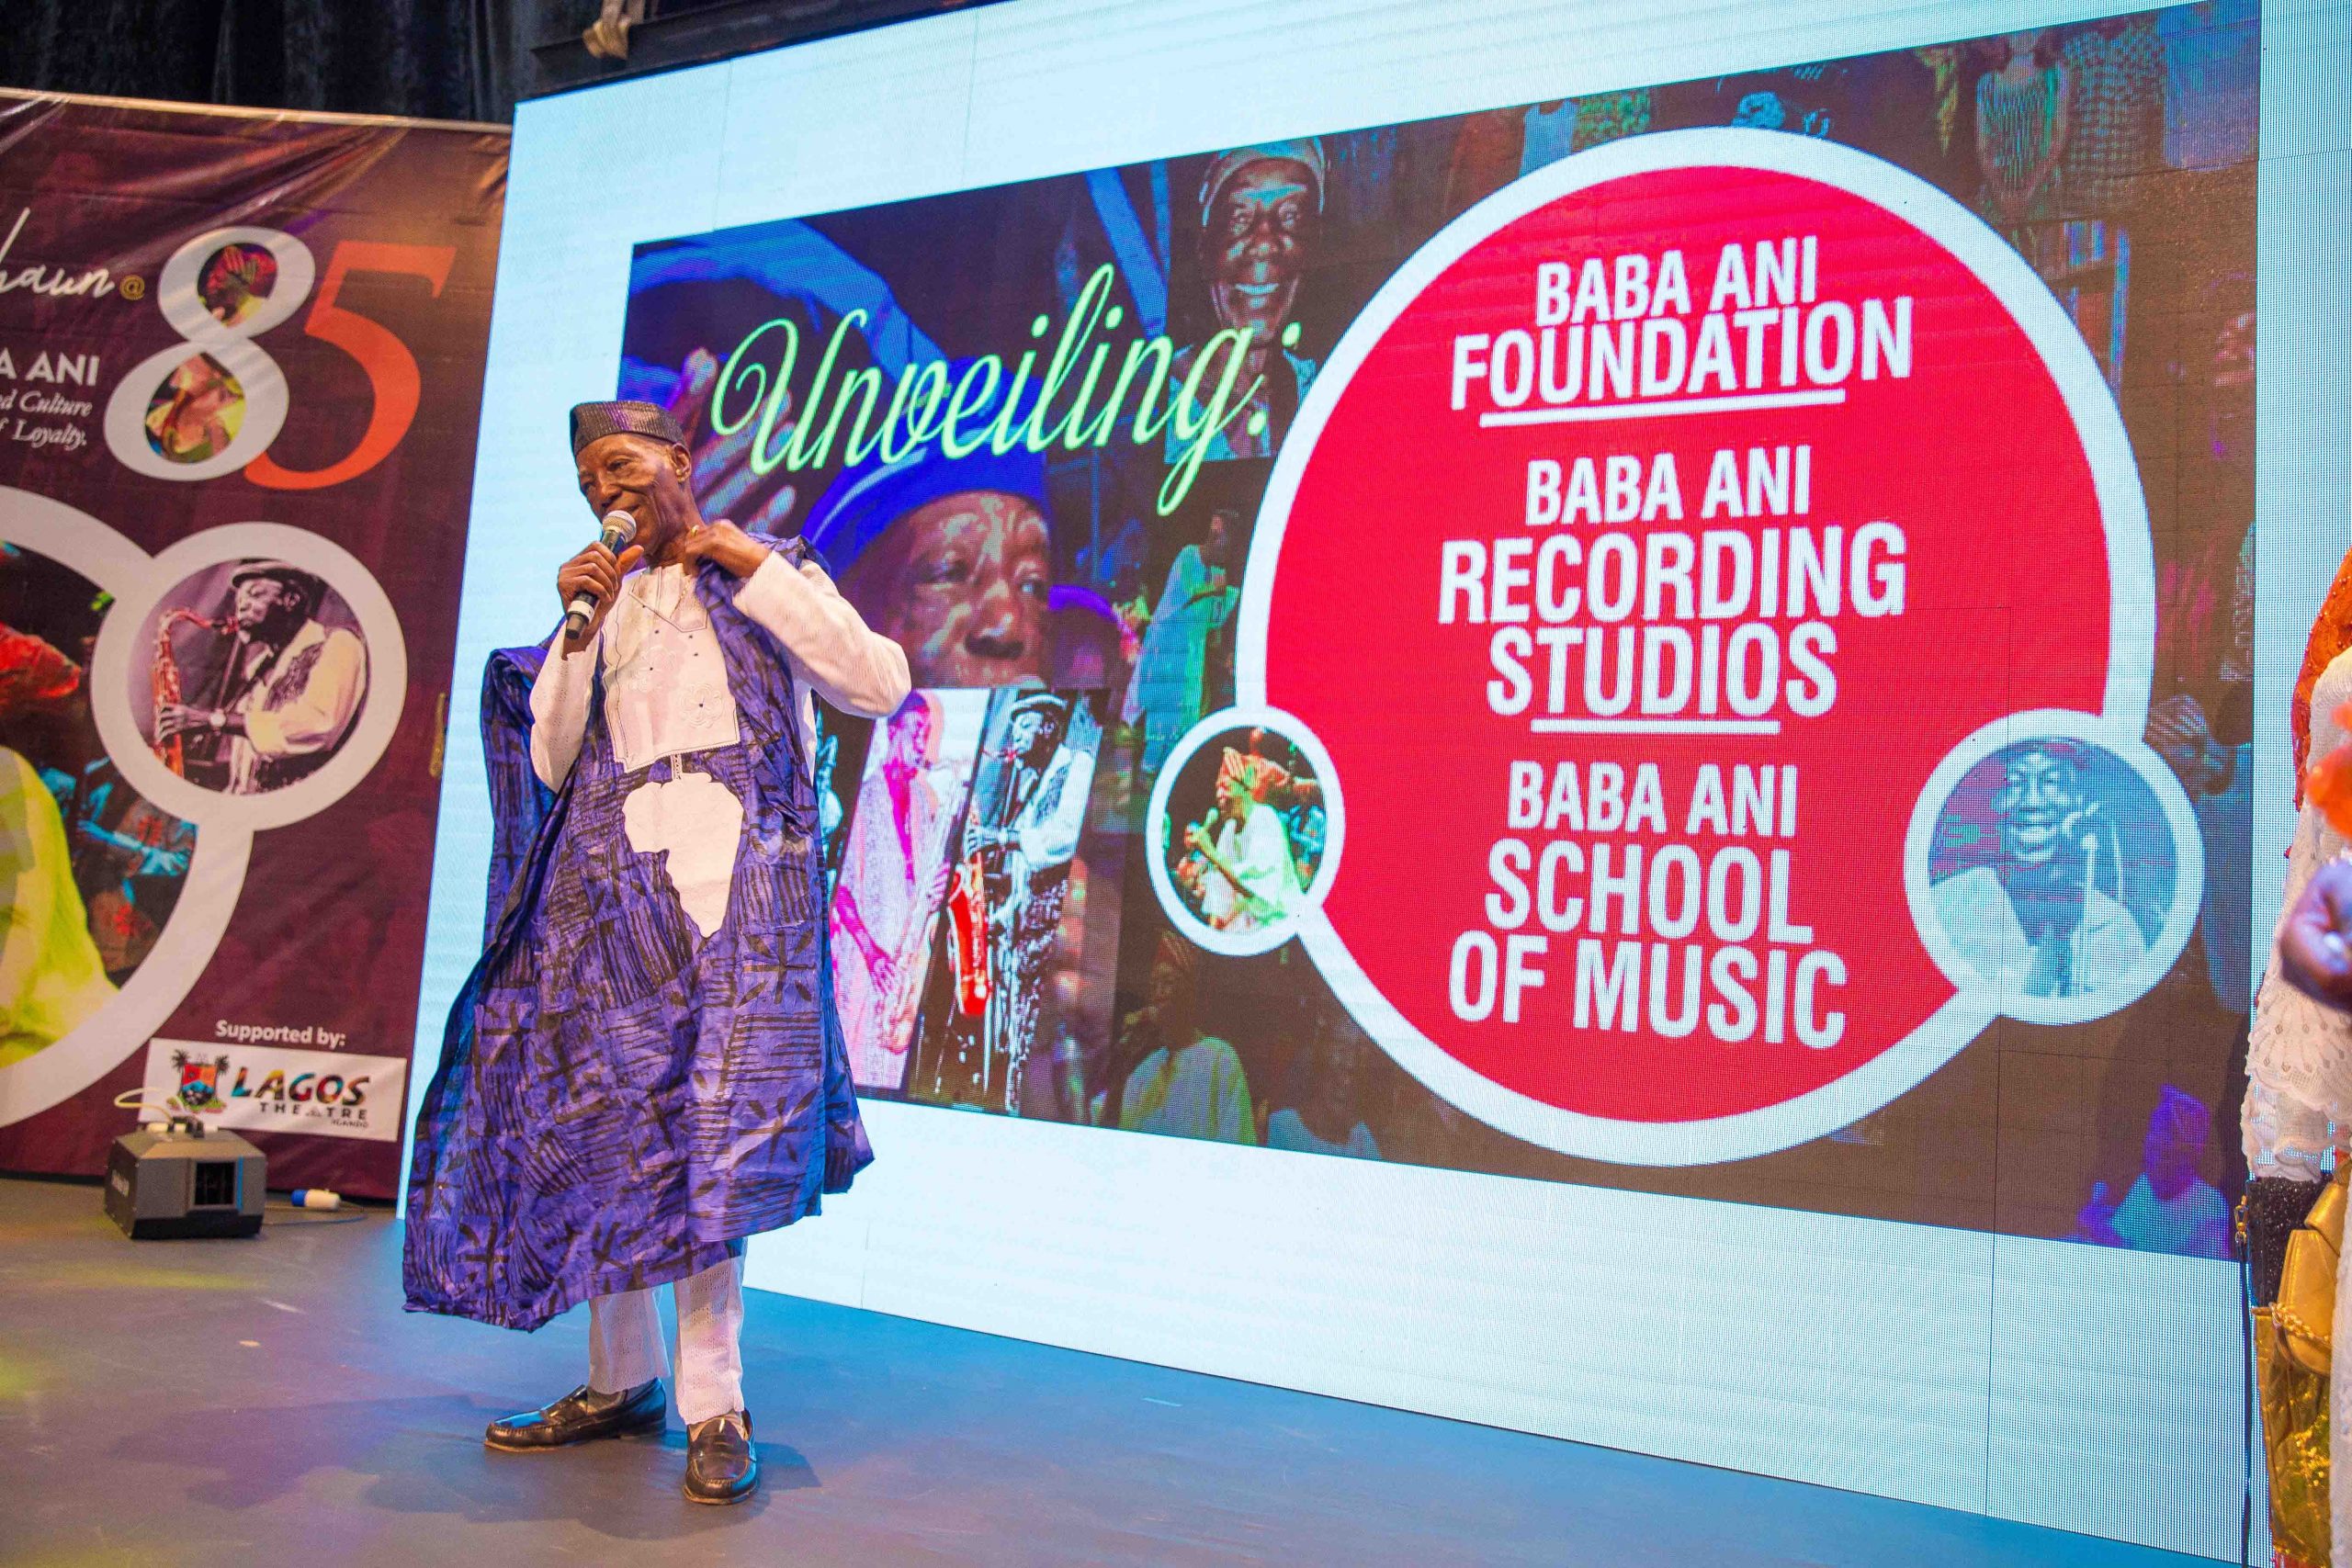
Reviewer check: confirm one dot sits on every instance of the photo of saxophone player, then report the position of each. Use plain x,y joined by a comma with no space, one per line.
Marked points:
1005,898
895,872
258,679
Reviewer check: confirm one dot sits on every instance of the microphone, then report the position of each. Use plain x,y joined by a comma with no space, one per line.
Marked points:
2083,825
620,529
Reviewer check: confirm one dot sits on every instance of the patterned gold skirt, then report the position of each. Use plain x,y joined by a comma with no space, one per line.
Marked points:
2294,1441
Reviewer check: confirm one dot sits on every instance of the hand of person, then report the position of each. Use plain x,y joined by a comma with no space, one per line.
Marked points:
2094,1222
882,969
2180,733
2052,973
2312,951
180,720
1192,839
937,887
723,475
722,542
595,571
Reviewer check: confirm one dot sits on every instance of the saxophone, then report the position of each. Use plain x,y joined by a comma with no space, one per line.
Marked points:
911,959
967,917
173,752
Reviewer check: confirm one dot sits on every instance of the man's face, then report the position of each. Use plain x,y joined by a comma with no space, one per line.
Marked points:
2168,1157
1231,795
961,583
910,739
232,303
1335,1075
1027,728
208,395
261,599
1216,549
1167,988
2166,1161
2041,792
1256,243
641,475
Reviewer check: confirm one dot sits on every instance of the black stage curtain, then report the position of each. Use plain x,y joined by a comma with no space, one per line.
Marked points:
435,58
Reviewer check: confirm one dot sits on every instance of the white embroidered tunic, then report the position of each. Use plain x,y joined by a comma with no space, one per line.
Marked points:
302,722
666,695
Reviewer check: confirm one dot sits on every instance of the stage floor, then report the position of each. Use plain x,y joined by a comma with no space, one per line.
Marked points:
266,1401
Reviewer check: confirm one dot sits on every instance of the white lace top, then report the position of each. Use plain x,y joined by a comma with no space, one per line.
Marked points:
2299,1059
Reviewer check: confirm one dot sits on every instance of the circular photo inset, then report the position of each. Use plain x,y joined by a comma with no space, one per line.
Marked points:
253,676
1244,830
2059,874
196,413
235,281
95,869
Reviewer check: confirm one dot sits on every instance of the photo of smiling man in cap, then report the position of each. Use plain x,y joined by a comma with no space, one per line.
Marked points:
286,675
1262,213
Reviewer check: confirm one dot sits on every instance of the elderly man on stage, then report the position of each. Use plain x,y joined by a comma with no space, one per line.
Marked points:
645,1067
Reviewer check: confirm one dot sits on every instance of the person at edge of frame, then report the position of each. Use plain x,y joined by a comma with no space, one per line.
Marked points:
2298,1104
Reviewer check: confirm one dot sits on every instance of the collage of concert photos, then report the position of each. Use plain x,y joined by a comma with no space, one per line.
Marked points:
1017,930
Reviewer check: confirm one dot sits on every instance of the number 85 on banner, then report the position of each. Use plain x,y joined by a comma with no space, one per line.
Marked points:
212,402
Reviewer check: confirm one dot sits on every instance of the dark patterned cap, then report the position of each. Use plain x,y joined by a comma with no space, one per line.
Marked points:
307,583
593,421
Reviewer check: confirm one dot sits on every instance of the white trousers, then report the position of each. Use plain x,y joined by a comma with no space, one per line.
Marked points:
625,1341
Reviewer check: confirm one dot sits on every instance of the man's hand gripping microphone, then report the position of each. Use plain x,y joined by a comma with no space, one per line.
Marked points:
620,528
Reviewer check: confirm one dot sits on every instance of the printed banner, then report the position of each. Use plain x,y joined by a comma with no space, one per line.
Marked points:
1696,637
240,376
328,1093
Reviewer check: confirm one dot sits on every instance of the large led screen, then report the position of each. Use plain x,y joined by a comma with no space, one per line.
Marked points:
1600,725
1696,637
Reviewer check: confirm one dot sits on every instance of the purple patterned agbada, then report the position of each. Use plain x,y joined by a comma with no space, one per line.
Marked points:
620,1100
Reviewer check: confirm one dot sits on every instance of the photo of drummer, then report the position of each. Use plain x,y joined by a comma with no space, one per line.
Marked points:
257,675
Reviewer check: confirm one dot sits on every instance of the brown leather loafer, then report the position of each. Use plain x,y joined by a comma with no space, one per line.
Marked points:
581,1415
721,1466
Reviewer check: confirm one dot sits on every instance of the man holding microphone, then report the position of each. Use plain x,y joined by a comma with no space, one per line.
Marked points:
645,1067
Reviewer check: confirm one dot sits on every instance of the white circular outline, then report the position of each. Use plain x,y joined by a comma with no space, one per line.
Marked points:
216,872
1264,939
371,733
2131,569
260,378
2187,847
